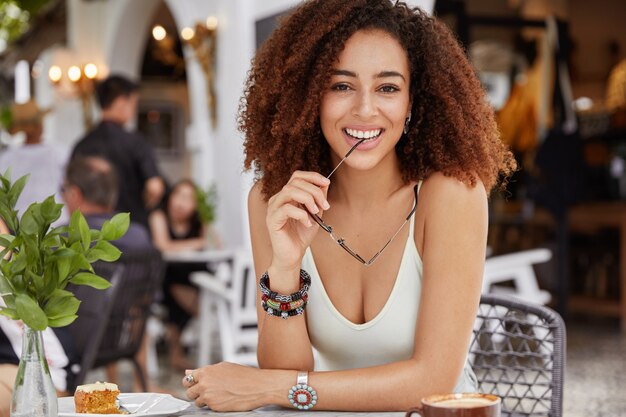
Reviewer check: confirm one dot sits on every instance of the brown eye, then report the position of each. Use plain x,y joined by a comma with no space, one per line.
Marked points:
389,89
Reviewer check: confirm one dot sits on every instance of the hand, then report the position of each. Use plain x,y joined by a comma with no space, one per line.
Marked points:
227,387
290,226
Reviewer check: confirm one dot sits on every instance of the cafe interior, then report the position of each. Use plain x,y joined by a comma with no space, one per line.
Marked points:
554,72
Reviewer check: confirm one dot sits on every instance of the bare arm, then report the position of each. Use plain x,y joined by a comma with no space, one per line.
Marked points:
153,191
162,240
271,354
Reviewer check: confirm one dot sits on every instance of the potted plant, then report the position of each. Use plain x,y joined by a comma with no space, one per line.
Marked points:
207,206
37,262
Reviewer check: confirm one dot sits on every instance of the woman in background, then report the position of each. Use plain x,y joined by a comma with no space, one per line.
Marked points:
177,227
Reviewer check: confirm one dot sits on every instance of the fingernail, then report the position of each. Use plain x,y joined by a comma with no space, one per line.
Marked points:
326,205
316,209
309,224
326,180
187,371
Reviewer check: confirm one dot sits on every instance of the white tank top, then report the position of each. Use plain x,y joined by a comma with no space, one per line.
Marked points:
389,337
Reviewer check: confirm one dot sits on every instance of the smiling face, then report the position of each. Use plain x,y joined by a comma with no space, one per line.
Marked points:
182,202
368,97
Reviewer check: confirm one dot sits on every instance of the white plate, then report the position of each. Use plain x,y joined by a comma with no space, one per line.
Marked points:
146,403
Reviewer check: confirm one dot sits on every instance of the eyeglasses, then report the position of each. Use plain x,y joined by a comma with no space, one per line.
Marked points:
340,241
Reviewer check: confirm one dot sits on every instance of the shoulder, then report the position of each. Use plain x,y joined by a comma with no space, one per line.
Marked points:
439,189
256,199
157,216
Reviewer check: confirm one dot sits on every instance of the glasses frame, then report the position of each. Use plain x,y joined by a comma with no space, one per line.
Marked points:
341,241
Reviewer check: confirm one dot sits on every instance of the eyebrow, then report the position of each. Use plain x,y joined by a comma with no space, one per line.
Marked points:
382,74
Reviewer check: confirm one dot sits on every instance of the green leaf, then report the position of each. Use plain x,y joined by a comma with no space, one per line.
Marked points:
92,280
6,240
62,321
116,227
16,189
9,312
74,228
105,251
85,235
50,210
63,267
60,306
5,285
18,263
9,300
29,223
37,281
30,312
8,215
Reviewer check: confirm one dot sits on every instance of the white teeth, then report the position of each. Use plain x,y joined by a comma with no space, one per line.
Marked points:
361,134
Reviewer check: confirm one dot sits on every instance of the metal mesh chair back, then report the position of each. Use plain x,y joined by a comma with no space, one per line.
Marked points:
93,317
143,273
518,353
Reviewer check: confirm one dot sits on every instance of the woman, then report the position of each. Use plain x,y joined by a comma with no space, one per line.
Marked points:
177,227
390,322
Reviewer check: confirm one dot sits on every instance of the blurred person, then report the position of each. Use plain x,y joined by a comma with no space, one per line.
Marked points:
177,227
140,184
91,186
44,162
63,361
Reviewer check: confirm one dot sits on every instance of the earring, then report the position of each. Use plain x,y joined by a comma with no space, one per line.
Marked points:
406,124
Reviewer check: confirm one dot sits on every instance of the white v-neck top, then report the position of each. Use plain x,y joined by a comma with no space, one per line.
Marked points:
389,337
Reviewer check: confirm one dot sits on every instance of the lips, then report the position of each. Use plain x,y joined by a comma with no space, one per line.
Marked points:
372,137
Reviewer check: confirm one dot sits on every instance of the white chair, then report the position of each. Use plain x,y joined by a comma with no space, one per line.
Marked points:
518,268
232,292
515,267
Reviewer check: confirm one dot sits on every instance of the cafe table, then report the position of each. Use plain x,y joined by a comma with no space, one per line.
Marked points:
281,412
206,300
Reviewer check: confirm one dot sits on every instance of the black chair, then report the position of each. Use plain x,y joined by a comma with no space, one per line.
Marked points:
518,353
140,282
93,317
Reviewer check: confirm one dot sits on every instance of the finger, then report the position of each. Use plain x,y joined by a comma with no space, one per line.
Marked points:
187,372
199,403
291,193
319,194
279,218
313,177
192,393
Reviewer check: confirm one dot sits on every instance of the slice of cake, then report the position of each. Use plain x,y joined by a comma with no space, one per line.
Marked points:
98,398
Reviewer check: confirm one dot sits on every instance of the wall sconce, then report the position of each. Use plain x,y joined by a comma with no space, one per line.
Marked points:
203,41
82,84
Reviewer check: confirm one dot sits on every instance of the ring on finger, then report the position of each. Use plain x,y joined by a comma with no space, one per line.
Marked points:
190,378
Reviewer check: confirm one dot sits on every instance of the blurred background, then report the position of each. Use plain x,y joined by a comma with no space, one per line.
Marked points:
554,71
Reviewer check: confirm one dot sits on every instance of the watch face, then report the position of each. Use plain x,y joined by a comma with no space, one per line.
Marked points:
302,396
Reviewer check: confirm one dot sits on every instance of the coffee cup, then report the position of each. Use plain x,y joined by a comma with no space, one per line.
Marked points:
458,405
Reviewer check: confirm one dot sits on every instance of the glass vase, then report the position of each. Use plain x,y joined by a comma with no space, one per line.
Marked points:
34,394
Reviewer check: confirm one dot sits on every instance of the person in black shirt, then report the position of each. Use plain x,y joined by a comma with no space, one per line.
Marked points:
140,184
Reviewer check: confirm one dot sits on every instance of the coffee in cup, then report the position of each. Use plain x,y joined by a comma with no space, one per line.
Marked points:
459,405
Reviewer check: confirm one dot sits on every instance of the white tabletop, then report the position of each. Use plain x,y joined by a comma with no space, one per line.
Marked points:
207,255
281,412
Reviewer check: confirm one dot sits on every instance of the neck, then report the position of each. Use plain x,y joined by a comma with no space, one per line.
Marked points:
357,188
88,208
111,116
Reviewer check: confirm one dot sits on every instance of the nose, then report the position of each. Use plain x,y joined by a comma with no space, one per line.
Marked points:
365,105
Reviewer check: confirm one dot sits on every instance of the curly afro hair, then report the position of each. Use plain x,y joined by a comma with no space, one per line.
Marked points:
453,129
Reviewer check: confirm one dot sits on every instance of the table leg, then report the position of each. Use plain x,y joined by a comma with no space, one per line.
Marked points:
622,276
205,307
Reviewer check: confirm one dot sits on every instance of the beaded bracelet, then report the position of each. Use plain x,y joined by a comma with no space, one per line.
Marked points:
305,280
283,314
285,306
